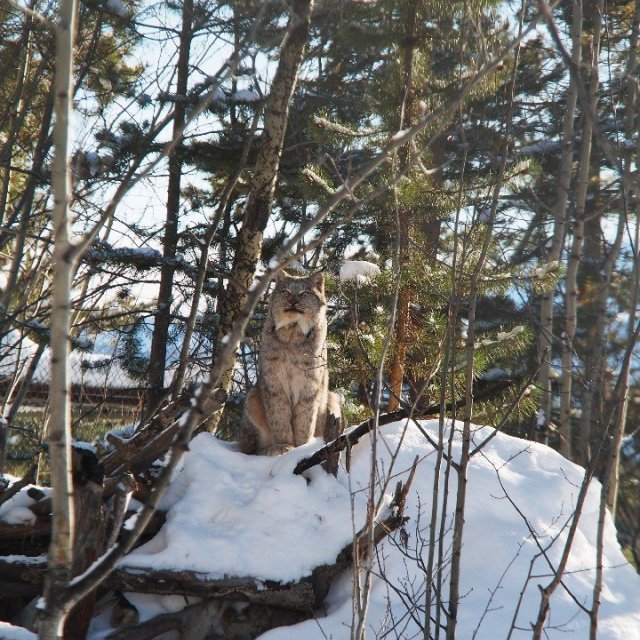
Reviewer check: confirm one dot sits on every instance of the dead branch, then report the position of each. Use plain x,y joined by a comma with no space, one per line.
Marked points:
347,440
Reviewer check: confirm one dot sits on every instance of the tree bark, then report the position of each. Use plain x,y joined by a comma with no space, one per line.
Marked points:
545,340
223,210
89,534
571,299
16,116
407,118
62,533
162,321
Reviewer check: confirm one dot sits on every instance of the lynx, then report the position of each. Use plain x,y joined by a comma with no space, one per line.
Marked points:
291,401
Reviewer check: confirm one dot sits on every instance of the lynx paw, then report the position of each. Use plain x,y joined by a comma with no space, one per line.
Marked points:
277,449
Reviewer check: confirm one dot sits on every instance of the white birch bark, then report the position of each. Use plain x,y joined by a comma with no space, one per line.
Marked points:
61,547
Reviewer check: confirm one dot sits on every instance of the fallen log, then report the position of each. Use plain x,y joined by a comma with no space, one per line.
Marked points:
21,576
295,595
206,619
27,539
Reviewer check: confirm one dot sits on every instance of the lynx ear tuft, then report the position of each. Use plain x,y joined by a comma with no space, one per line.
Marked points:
317,280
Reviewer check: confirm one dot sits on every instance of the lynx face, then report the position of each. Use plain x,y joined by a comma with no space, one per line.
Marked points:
298,301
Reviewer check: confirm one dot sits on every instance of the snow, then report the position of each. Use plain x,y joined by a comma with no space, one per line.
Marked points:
93,161
11,632
245,95
18,515
359,270
542,146
15,510
149,606
237,515
399,134
218,95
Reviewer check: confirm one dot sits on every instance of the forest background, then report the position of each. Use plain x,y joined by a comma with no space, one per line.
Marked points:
479,157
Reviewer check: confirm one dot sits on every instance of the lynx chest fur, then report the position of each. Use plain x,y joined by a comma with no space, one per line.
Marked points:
291,400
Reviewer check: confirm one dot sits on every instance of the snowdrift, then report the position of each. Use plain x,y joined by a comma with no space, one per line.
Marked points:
235,515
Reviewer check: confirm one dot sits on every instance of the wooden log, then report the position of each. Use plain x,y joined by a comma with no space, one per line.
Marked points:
90,526
21,577
27,539
206,620
154,438
295,595
269,604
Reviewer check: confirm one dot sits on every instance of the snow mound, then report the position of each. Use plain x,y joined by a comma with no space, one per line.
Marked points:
237,515
250,516
499,552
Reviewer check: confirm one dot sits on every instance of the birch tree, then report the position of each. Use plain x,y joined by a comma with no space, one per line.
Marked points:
62,533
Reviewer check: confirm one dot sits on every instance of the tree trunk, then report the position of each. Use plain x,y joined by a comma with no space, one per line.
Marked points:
62,532
545,340
407,117
582,183
629,127
222,211
162,321
265,174
24,206
16,117
594,274
89,535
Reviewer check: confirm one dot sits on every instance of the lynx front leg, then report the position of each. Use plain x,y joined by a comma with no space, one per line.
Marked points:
278,411
305,418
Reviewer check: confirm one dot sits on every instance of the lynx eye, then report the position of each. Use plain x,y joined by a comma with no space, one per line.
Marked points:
285,292
306,292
